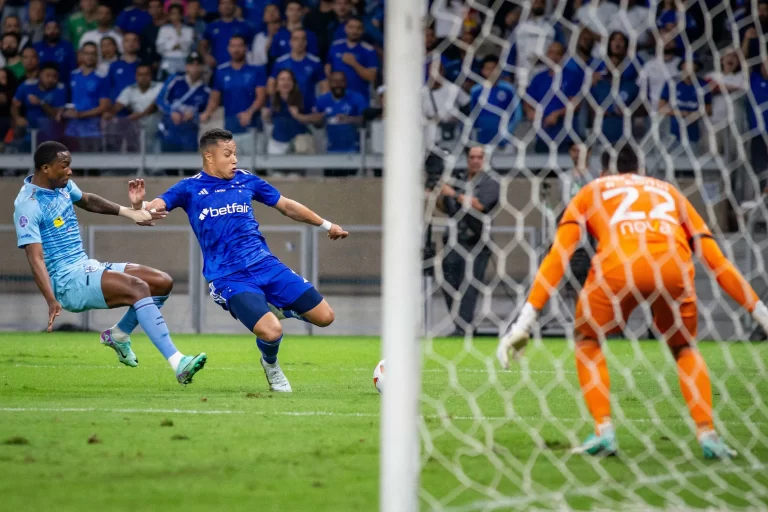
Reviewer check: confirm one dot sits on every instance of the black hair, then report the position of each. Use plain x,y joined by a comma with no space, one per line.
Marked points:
136,33
605,160
490,58
301,4
626,160
13,35
49,65
214,136
48,152
90,43
354,18
176,6
238,36
142,64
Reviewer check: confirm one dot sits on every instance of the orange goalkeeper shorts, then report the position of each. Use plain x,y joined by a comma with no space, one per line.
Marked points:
607,299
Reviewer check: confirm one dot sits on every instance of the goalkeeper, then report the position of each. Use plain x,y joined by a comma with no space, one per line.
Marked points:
646,232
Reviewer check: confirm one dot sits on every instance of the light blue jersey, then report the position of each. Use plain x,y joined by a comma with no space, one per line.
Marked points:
48,217
44,216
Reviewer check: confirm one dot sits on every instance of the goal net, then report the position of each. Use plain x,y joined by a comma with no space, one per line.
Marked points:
545,88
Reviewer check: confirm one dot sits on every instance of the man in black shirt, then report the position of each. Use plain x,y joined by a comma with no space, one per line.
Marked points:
468,245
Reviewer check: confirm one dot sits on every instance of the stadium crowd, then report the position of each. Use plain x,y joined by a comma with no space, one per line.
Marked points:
306,75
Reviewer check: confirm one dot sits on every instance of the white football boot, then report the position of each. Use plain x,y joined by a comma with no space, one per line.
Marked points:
276,378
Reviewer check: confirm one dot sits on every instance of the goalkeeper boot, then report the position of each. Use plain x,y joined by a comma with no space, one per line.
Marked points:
125,355
715,448
189,366
276,378
602,444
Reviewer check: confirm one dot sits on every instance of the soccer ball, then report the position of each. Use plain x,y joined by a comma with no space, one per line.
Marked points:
378,376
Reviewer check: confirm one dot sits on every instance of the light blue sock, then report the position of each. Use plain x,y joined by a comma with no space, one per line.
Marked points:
154,326
269,349
129,321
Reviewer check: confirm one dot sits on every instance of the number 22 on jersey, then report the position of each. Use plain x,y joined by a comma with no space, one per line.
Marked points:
632,220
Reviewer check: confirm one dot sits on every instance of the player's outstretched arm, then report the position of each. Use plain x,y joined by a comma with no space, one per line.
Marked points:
34,254
137,191
97,204
300,213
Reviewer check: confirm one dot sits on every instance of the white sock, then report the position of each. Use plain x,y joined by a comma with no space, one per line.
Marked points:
604,427
119,335
706,434
175,359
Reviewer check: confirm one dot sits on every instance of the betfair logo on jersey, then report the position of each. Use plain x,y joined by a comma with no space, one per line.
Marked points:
58,222
224,210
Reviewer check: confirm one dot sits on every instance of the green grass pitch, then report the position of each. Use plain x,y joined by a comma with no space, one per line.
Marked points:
78,431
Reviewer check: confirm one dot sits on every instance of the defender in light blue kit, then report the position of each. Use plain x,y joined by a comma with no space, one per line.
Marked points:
48,231
244,277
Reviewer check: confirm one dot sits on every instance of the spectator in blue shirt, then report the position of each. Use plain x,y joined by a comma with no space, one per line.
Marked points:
122,72
619,63
306,68
90,99
285,112
36,106
686,101
757,115
30,62
281,42
215,43
617,107
253,12
750,44
342,110
193,16
495,106
356,59
241,89
53,49
546,98
182,99
134,18
672,12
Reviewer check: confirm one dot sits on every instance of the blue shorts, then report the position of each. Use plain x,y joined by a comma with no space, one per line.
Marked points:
80,288
269,277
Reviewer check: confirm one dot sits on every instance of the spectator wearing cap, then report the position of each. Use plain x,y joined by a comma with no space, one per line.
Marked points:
9,45
53,49
90,99
241,89
82,21
356,59
216,40
181,101
148,53
105,28
342,110
686,101
174,41
495,106
122,72
135,18
35,23
140,99
307,69
281,42
36,105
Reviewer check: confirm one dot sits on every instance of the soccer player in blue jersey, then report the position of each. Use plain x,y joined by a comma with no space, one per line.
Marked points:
244,277
47,229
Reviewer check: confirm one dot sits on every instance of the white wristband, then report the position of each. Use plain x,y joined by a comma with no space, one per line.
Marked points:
326,225
143,206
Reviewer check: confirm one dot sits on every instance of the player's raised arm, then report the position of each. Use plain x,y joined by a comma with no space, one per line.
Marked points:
137,192
300,213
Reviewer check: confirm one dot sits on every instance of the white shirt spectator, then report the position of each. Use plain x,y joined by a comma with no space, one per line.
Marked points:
656,73
732,87
439,106
95,36
533,36
449,18
174,45
597,16
102,69
258,54
635,23
138,101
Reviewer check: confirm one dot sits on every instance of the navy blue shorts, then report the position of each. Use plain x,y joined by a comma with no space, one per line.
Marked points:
270,277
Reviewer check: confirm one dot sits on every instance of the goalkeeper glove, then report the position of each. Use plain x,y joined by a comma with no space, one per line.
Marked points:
760,314
516,338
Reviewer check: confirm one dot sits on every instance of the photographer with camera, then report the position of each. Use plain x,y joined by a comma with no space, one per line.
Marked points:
466,253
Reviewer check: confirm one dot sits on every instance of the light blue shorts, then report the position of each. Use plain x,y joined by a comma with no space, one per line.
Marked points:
80,288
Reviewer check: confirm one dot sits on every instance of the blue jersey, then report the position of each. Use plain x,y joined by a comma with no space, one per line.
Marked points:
121,74
758,86
615,108
629,69
253,13
500,98
178,95
87,91
47,217
688,98
308,72
220,32
39,120
281,43
221,217
133,20
543,91
366,57
62,54
238,91
342,137
285,127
